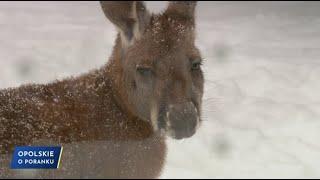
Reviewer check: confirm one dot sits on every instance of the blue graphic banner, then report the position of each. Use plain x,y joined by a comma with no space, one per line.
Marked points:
36,157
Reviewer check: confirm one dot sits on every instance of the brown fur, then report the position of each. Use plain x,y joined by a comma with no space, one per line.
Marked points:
102,135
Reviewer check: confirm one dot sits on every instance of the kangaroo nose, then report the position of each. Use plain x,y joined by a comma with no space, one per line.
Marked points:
182,120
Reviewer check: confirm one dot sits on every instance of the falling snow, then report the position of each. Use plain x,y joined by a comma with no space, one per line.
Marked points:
261,107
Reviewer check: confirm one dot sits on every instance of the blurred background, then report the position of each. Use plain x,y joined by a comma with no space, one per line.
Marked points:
261,111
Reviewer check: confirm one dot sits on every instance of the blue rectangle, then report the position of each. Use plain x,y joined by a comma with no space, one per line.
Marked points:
36,157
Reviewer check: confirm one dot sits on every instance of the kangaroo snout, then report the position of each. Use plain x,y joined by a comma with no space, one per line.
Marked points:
182,120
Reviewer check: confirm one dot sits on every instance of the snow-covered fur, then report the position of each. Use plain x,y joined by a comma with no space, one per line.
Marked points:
103,118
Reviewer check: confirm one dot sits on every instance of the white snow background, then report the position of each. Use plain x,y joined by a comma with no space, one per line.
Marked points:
261,106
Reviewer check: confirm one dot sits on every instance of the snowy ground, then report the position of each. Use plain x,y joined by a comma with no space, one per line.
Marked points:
262,70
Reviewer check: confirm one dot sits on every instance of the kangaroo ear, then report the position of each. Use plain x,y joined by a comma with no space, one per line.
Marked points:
183,9
130,17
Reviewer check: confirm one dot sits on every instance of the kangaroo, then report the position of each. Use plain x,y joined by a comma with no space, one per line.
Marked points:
113,121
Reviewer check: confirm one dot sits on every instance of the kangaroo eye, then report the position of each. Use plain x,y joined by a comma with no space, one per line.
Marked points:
196,65
145,71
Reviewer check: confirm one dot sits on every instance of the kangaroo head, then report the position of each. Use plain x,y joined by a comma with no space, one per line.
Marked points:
160,78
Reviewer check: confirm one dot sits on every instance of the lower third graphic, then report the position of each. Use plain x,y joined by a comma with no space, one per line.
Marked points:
36,157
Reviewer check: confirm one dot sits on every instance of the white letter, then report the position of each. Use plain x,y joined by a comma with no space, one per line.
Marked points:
20,153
